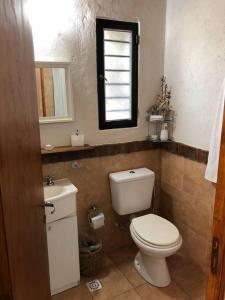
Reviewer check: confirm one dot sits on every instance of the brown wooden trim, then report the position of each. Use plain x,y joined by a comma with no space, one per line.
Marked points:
72,153
4,297
64,149
68,153
216,280
5,280
186,151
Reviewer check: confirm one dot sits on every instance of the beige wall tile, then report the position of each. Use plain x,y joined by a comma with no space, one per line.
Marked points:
194,182
188,203
195,247
93,188
186,198
181,207
172,169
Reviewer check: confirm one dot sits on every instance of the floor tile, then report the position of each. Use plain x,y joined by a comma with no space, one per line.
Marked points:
107,265
78,293
124,261
130,295
113,281
148,292
191,280
121,281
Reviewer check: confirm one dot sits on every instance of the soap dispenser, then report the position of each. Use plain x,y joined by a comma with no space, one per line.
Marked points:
77,139
164,132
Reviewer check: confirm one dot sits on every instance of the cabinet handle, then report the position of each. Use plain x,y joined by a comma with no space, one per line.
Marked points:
50,204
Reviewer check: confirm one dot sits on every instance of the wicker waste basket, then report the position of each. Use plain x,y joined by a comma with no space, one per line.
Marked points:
91,255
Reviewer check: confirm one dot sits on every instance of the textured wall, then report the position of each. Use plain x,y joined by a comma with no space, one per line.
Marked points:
92,182
195,65
71,36
187,199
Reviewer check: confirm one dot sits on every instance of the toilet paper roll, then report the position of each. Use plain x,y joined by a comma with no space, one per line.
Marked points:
97,221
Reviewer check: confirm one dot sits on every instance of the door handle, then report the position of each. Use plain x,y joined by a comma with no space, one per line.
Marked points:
50,204
214,255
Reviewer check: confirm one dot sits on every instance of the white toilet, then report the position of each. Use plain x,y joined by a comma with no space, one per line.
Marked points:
155,237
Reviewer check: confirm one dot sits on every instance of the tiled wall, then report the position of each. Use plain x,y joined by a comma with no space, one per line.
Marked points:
93,185
187,199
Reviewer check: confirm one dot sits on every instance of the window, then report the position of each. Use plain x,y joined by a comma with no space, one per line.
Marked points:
117,71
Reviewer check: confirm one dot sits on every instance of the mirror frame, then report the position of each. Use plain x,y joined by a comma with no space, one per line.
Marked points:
66,66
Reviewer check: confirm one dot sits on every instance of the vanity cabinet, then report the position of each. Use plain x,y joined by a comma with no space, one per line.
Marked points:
62,235
63,254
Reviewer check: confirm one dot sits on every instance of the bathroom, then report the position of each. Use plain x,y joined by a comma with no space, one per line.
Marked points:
171,50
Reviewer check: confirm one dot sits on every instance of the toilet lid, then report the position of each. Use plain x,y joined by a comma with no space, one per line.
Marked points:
155,230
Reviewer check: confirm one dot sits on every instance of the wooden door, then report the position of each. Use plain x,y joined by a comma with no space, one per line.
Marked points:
5,285
216,278
23,238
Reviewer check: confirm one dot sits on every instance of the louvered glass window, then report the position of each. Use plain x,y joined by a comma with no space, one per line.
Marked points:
117,57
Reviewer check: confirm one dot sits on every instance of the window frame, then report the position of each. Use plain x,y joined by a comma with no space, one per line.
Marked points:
102,24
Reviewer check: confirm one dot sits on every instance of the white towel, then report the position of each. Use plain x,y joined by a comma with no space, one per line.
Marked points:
214,149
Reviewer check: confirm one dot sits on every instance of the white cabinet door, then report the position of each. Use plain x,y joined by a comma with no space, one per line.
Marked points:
63,253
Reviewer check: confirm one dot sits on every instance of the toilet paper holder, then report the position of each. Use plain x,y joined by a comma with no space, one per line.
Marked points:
96,217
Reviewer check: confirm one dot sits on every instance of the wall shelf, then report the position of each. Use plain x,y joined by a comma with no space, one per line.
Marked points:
155,126
63,149
158,141
68,153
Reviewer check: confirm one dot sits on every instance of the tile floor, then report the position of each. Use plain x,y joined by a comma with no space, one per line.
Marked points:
121,281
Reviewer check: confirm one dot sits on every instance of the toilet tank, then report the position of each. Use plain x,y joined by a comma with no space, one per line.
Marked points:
131,190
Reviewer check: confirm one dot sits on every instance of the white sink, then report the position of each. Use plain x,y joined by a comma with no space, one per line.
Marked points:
60,189
63,196
52,191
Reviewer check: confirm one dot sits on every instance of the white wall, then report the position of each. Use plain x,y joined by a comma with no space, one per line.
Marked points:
66,31
195,65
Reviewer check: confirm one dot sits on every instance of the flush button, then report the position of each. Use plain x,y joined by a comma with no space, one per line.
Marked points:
132,172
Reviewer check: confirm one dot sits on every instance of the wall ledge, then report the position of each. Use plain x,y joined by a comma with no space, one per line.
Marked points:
68,153
60,154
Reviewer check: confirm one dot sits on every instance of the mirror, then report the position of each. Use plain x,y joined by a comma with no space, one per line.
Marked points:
53,92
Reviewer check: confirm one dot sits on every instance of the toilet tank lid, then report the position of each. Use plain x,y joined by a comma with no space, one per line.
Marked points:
130,175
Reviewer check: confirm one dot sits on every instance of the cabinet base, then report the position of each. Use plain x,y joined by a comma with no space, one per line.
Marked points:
64,288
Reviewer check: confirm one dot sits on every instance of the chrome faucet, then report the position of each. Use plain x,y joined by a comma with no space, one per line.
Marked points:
49,180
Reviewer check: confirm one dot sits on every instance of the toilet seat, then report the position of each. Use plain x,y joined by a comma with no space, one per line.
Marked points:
155,231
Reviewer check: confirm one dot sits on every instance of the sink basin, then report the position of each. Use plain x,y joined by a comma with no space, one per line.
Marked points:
60,189
52,191
62,195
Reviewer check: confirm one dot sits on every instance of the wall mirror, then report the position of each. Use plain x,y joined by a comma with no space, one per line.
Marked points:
53,92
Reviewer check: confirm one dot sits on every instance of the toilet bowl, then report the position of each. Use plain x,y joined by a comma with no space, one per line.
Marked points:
156,239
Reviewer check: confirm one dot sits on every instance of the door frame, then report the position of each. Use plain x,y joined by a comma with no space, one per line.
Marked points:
216,275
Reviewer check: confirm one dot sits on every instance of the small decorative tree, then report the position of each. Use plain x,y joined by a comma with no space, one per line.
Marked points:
162,104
